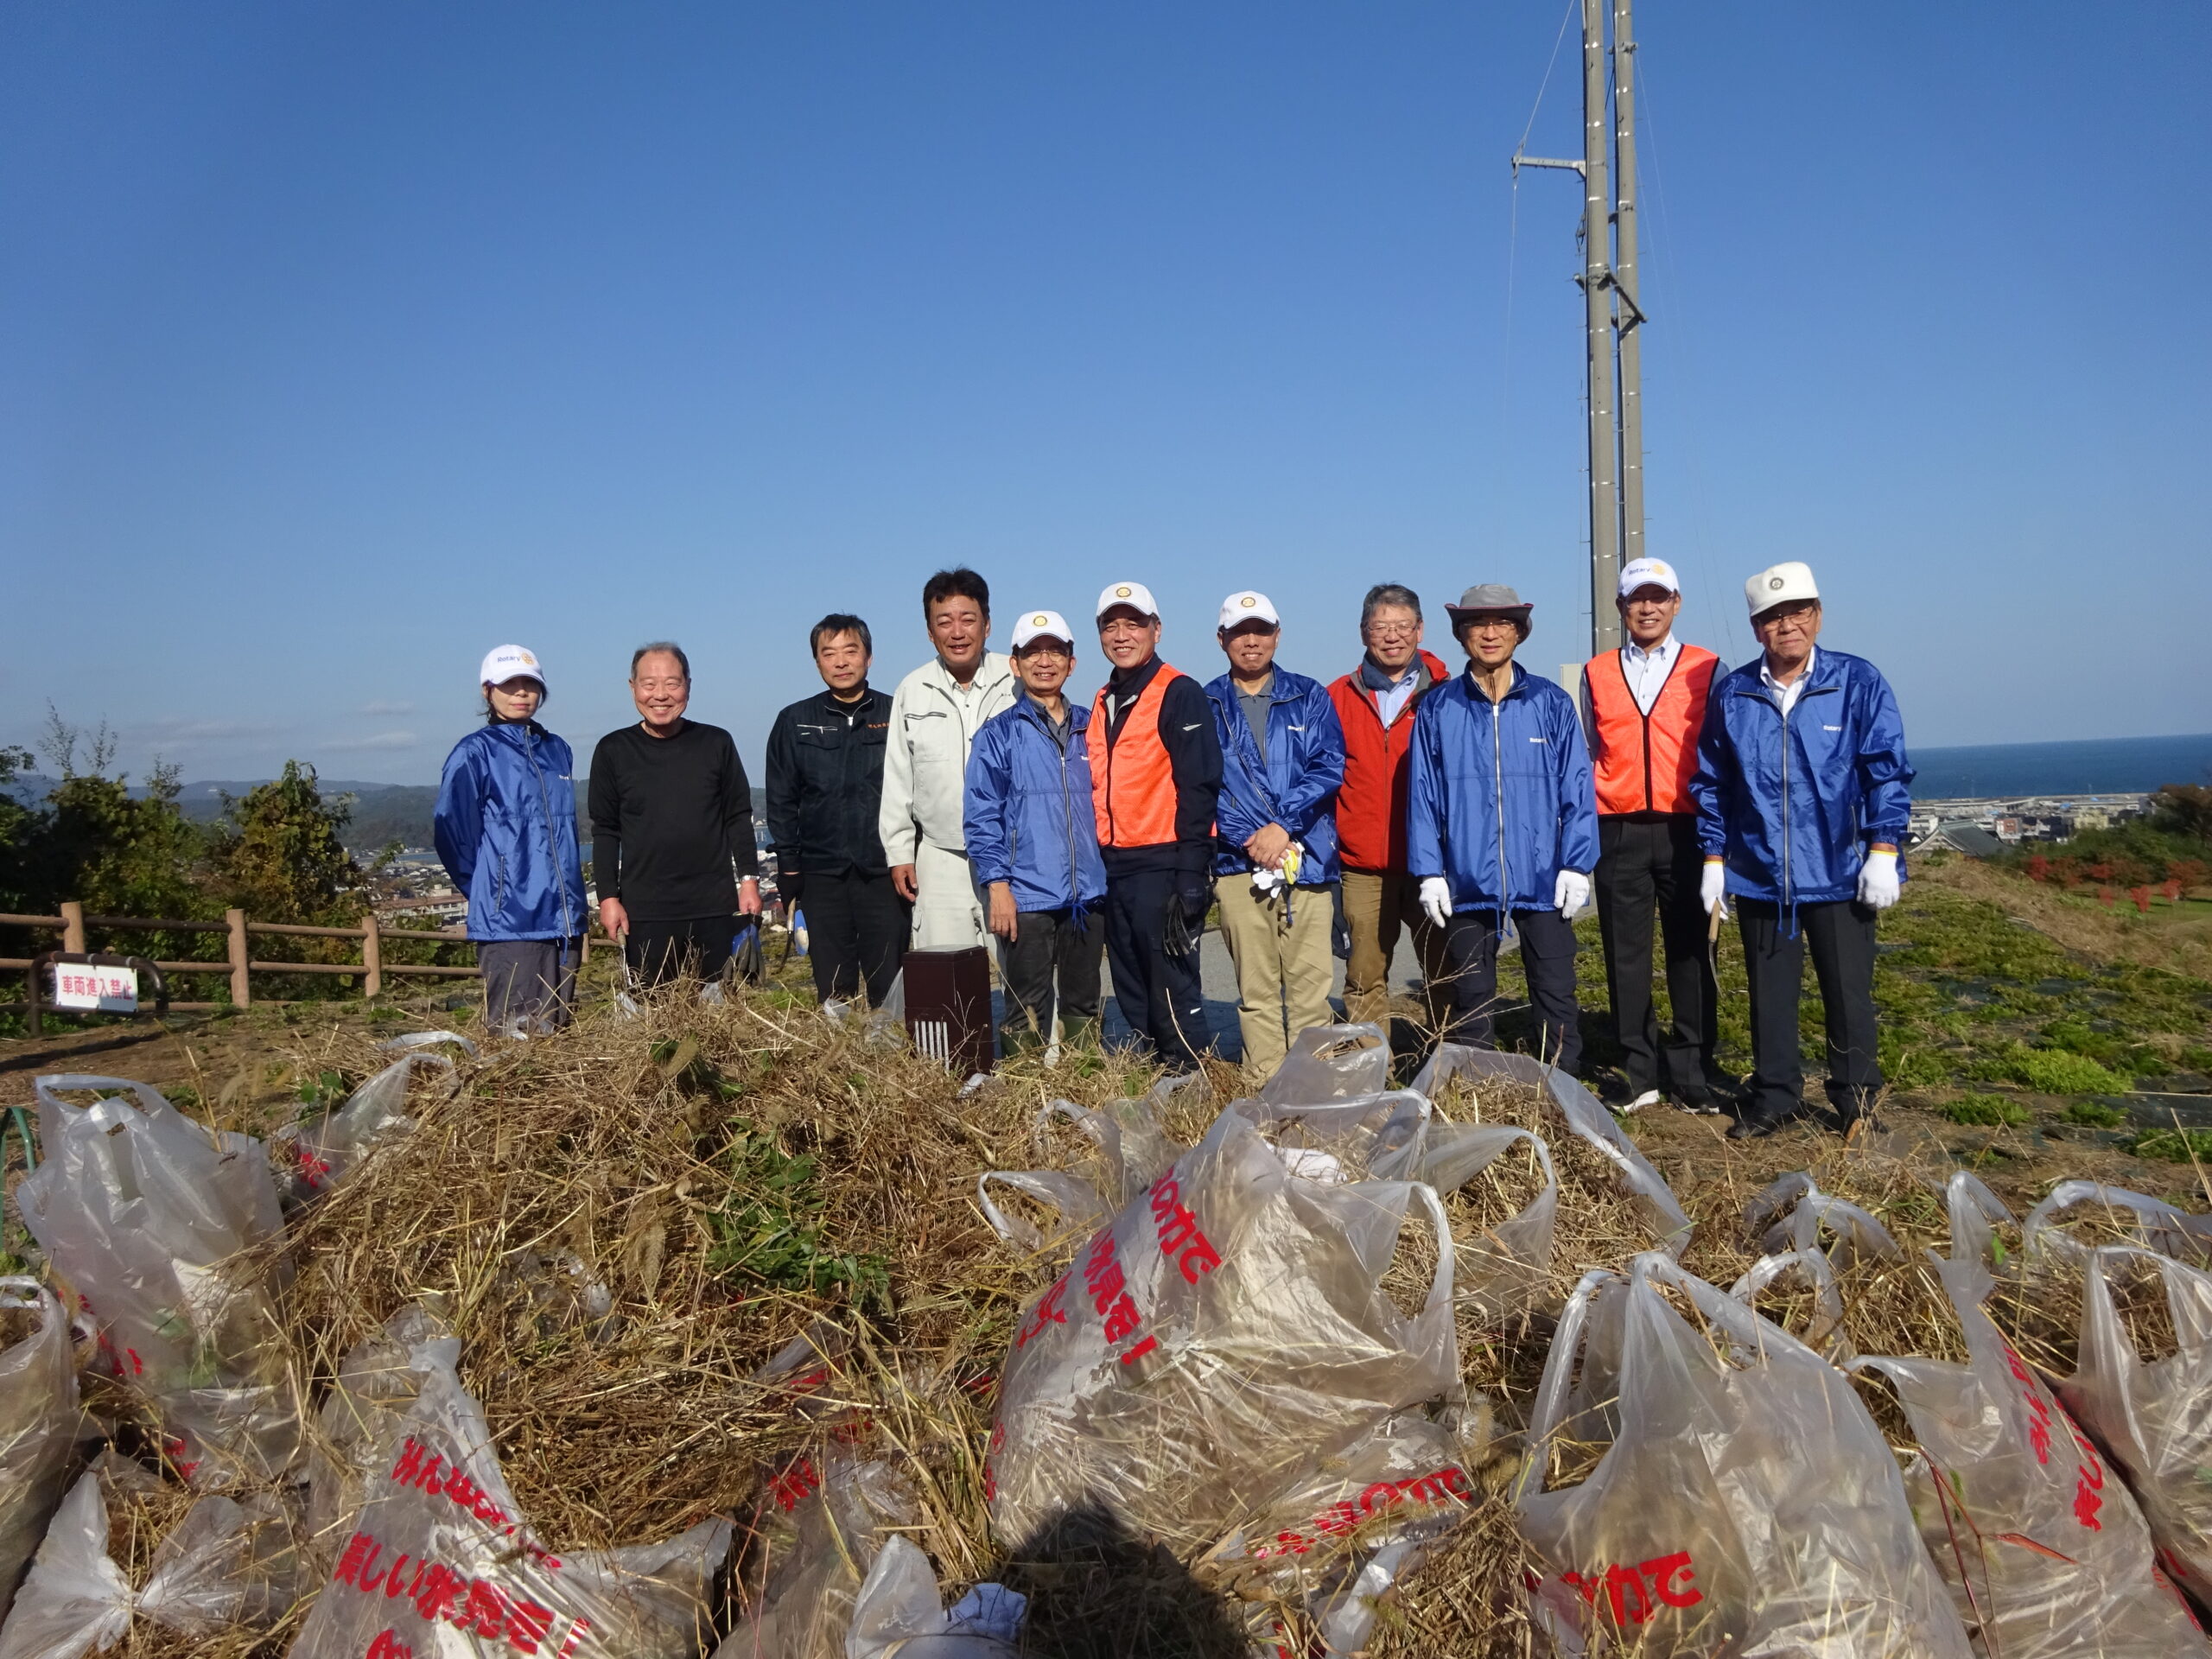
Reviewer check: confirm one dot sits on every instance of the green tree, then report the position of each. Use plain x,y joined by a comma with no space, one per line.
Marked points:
2183,810
279,852
116,853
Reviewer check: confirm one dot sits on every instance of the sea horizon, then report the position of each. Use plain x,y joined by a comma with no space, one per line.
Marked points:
2094,766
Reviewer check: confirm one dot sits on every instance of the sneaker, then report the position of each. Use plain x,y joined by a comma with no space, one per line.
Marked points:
1698,1105
1648,1098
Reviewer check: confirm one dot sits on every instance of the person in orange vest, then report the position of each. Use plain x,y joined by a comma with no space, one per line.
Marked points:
1155,769
1642,708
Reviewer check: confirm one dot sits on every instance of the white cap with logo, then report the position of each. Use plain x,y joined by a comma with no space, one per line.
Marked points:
1780,584
505,663
1247,606
1134,595
1042,625
1649,573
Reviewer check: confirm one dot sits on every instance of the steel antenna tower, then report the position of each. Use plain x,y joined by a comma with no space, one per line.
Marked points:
1611,315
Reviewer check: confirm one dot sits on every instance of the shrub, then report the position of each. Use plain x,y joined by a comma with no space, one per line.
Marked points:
1991,1111
2175,1145
2093,1114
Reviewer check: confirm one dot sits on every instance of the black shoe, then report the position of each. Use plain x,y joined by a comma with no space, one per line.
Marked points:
1698,1105
1751,1129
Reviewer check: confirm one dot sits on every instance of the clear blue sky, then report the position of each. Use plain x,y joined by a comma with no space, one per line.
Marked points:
341,343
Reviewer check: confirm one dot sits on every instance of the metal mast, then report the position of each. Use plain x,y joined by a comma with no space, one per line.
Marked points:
1610,315
1597,259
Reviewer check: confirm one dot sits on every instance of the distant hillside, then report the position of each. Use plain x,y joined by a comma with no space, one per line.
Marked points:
383,813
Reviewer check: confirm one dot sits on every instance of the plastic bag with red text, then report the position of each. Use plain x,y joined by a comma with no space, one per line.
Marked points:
1226,1326
315,1154
143,1211
440,1561
41,1424
2045,1552
1743,1502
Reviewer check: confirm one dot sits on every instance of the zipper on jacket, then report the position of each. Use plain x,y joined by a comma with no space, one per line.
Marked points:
1067,807
552,850
1505,883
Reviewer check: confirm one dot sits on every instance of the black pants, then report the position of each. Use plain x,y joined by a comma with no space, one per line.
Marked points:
530,985
1159,993
1646,864
855,934
658,952
1547,958
1049,953
1842,938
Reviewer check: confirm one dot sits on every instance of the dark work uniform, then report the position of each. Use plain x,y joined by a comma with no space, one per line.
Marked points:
1158,990
672,822
825,784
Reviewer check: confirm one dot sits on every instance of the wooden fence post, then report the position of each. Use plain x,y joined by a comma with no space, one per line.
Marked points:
371,956
241,971
72,926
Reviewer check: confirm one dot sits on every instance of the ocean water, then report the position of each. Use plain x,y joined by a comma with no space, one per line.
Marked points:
2096,765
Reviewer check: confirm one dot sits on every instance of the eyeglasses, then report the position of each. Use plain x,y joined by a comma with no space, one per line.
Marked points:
1799,612
1392,630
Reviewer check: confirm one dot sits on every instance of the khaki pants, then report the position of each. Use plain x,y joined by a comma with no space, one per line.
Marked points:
1282,972
948,912
1377,907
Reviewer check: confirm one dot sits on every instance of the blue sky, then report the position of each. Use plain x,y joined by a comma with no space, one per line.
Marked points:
339,344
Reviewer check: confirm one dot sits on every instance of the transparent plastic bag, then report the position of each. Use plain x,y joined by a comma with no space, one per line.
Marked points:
1331,1063
816,1533
1669,1222
1228,1324
41,1424
1975,1214
1745,1502
363,1420
314,1156
1792,1213
2153,1416
473,1579
2159,1225
1131,1150
2045,1552
899,1611
76,1598
145,1212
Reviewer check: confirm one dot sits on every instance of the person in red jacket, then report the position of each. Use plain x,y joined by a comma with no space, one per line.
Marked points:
1642,708
1374,705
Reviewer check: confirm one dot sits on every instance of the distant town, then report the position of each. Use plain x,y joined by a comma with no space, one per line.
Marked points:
1981,828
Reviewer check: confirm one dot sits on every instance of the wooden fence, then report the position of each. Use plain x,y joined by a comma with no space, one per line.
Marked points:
238,964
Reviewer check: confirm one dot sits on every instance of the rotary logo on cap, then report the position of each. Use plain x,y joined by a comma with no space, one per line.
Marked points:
1774,582
1249,600
1037,620
1122,592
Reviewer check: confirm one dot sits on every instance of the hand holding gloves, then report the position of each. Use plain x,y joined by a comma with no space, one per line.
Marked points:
1436,900
1712,888
1878,879
1571,895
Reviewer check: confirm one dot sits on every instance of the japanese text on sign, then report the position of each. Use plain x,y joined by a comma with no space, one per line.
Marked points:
95,988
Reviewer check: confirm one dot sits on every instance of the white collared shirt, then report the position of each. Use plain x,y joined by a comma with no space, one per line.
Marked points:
1646,672
1788,694
1390,703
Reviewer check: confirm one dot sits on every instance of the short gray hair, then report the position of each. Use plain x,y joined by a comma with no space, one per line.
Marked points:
663,646
1388,592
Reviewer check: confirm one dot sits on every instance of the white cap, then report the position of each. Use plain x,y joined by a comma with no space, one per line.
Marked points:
1134,595
1780,584
505,663
1649,573
1043,625
1247,606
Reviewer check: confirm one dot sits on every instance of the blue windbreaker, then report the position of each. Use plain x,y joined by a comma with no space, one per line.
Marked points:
1469,755
1295,784
506,833
1793,805
1027,813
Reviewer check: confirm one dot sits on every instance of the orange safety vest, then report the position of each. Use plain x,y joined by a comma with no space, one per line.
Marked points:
1133,781
1643,763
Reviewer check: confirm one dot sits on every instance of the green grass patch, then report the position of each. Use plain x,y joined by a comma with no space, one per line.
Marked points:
2093,1114
769,1228
1989,1111
2055,1071
2175,1145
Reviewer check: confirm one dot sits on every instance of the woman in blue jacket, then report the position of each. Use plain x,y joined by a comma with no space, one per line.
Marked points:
506,833
1033,844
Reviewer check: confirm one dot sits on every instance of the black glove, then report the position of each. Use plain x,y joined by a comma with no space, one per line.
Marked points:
790,884
1186,914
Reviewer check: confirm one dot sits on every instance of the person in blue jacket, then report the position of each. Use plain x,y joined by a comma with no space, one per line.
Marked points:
506,829
1276,865
1502,824
1803,799
1033,844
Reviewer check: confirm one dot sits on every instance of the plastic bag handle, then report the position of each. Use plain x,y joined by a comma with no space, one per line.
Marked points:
1974,1211
47,1089
410,1040
1559,1371
1012,1229
1826,1298
21,1291
1440,1288
1742,1322
2067,1194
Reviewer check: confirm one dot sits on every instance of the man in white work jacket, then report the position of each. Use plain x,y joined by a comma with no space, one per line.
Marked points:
935,715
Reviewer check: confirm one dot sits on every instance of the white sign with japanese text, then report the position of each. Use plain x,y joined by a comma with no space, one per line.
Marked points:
103,991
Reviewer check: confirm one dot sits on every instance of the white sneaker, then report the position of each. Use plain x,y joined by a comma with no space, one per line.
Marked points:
1648,1098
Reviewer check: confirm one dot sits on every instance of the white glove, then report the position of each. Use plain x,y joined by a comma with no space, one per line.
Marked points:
1436,900
1712,888
1878,879
1571,897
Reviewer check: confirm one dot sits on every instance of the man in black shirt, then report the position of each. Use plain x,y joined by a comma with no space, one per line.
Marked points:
672,823
825,788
